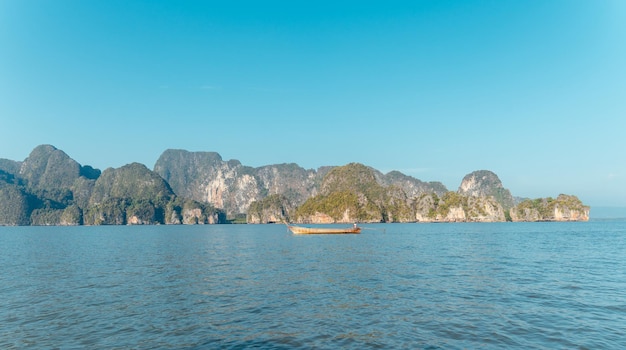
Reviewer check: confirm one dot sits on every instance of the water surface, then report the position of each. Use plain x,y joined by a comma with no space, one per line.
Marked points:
431,286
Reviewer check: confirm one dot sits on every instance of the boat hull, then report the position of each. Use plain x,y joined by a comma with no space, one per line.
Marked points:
298,230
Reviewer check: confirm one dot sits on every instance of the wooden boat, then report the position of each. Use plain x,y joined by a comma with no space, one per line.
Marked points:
299,230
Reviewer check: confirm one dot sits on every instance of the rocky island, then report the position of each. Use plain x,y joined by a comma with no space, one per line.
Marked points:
50,188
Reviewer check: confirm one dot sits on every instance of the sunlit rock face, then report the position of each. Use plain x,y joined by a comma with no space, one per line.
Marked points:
453,207
563,208
484,183
231,186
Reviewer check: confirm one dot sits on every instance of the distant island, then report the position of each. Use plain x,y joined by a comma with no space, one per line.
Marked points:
50,188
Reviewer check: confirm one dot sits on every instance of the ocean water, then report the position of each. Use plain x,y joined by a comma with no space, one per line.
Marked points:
418,286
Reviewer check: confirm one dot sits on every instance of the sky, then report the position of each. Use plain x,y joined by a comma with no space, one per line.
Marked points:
532,90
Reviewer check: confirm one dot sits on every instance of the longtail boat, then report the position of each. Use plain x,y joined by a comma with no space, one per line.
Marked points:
299,230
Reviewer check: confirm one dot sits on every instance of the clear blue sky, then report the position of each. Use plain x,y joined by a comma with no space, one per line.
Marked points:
534,90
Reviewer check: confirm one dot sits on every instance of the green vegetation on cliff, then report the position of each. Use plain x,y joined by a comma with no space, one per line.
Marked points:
131,181
563,208
15,205
484,183
341,206
49,168
50,188
8,166
351,193
353,177
183,170
133,194
273,208
447,201
456,207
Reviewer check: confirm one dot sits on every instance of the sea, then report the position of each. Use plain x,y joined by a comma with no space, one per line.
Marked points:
541,285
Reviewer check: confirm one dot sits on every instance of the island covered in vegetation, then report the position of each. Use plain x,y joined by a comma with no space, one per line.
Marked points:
50,188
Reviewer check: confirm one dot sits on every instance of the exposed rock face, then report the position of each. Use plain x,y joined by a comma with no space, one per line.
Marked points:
568,214
563,208
190,212
484,183
356,193
195,213
135,195
321,218
205,177
50,188
454,207
425,207
71,216
411,186
293,182
193,216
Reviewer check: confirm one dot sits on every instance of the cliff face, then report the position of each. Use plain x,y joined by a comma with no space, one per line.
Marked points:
135,195
50,188
411,186
356,193
131,194
455,207
205,177
293,182
45,181
563,208
484,183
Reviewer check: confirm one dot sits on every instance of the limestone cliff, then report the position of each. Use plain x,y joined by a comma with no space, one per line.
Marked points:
411,186
455,207
563,208
347,194
205,177
135,195
50,188
484,183
46,180
353,193
293,182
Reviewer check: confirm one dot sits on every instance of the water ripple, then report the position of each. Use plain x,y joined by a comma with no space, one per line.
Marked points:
445,286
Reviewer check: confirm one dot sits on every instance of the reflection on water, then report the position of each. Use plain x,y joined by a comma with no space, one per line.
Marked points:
505,285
